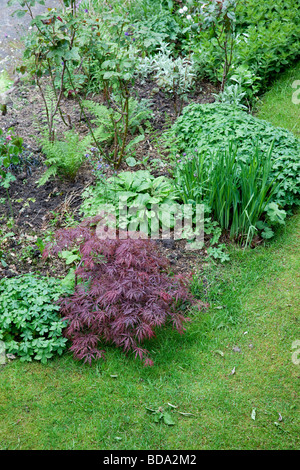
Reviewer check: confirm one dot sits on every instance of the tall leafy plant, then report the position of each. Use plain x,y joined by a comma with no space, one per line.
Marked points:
55,49
11,146
51,47
112,56
219,18
237,192
109,128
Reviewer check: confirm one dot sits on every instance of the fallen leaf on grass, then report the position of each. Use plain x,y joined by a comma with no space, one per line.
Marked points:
150,409
218,351
161,415
168,419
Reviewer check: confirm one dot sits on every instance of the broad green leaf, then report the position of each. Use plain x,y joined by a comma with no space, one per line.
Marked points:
168,420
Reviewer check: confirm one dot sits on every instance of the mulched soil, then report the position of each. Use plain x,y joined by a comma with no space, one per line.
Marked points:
40,209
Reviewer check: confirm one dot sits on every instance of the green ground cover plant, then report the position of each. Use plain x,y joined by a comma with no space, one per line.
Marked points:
30,323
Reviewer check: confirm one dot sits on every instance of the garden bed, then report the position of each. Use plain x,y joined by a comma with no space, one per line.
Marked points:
112,109
38,209
160,98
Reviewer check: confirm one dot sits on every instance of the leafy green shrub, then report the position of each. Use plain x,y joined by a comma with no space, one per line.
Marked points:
152,24
210,127
266,39
219,19
271,32
30,323
270,47
113,61
139,190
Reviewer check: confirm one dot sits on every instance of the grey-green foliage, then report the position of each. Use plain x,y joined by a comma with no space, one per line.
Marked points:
169,73
210,127
232,95
30,323
63,157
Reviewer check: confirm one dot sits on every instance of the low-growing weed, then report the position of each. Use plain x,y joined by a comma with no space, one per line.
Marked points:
30,324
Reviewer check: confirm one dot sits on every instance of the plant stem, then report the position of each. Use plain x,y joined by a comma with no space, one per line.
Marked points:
10,208
86,118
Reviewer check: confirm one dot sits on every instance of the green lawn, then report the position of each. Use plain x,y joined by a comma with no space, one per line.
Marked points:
279,105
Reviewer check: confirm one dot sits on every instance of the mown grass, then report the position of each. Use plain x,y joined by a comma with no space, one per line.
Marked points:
254,305
278,106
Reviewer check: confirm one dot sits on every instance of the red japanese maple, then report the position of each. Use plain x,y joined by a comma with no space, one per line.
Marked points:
123,292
